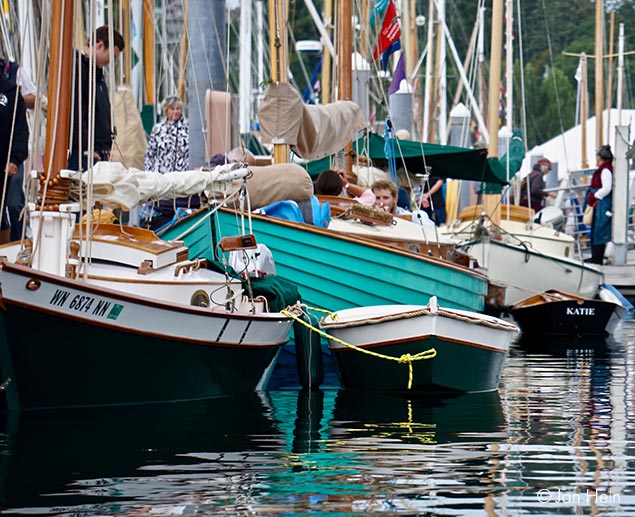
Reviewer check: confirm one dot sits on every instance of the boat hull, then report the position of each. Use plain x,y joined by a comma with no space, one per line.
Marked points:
68,344
573,316
336,271
469,355
526,272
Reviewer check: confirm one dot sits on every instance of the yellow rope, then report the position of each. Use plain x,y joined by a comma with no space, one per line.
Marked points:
404,358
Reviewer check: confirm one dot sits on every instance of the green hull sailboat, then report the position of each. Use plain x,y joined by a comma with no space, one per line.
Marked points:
335,271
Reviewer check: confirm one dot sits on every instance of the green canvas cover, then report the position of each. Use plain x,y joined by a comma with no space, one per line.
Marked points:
446,161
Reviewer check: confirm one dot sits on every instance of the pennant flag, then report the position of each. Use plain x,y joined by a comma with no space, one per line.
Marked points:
398,75
390,31
384,57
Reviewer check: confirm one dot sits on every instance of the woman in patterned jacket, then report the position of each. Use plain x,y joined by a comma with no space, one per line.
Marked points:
168,151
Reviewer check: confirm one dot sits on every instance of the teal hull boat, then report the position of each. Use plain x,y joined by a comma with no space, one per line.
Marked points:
334,271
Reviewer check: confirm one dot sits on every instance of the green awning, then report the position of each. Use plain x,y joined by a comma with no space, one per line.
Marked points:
445,161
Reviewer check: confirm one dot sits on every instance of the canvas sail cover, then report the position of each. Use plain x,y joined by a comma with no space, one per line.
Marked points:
312,131
117,186
130,145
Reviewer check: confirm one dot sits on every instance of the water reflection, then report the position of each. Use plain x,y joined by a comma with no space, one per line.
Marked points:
92,452
556,438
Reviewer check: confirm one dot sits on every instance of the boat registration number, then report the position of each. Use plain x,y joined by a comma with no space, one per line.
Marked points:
86,304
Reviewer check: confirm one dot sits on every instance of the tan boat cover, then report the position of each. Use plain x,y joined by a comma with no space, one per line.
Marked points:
312,131
130,145
272,183
218,112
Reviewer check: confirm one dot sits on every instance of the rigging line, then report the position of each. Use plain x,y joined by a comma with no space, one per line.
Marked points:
54,126
111,70
521,58
555,85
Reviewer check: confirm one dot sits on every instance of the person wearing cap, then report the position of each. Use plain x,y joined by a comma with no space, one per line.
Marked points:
600,197
536,182
168,151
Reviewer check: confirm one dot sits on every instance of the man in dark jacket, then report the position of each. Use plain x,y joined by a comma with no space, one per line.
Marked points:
536,182
14,139
99,51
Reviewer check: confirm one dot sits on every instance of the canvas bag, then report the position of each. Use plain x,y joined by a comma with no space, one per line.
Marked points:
587,218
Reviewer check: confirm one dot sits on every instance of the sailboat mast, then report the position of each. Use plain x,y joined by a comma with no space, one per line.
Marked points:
584,108
620,73
509,66
491,202
609,89
599,67
59,109
244,120
278,10
344,65
327,60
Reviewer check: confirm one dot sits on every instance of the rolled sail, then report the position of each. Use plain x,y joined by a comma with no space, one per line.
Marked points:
312,131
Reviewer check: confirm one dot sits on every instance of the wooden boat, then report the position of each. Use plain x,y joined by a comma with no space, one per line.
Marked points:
448,350
559,312
97,315
333,270
164,329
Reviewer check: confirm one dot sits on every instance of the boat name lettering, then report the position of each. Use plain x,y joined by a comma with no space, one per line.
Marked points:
83,303
581,311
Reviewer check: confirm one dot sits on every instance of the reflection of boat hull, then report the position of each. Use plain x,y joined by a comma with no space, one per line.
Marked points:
561,313
470,348
563,345
525,271
432,419
97,449
336,271
123,349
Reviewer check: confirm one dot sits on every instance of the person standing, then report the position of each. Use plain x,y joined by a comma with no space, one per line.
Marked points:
536,182
600,197
15,187
433,200
168,151
99,51
14,139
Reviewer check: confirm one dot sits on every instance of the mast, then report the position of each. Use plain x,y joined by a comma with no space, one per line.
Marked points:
59,88
278,10
491,202
609,88
148,51
180,84
509,66
599,67
584,101
427,103
620,73
126,62
327,58
344,65
481,63
443,85
245,82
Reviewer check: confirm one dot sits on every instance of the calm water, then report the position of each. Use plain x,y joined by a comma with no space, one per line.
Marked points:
558,438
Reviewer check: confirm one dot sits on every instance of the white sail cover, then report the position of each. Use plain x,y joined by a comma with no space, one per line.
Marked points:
312,131
116,186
